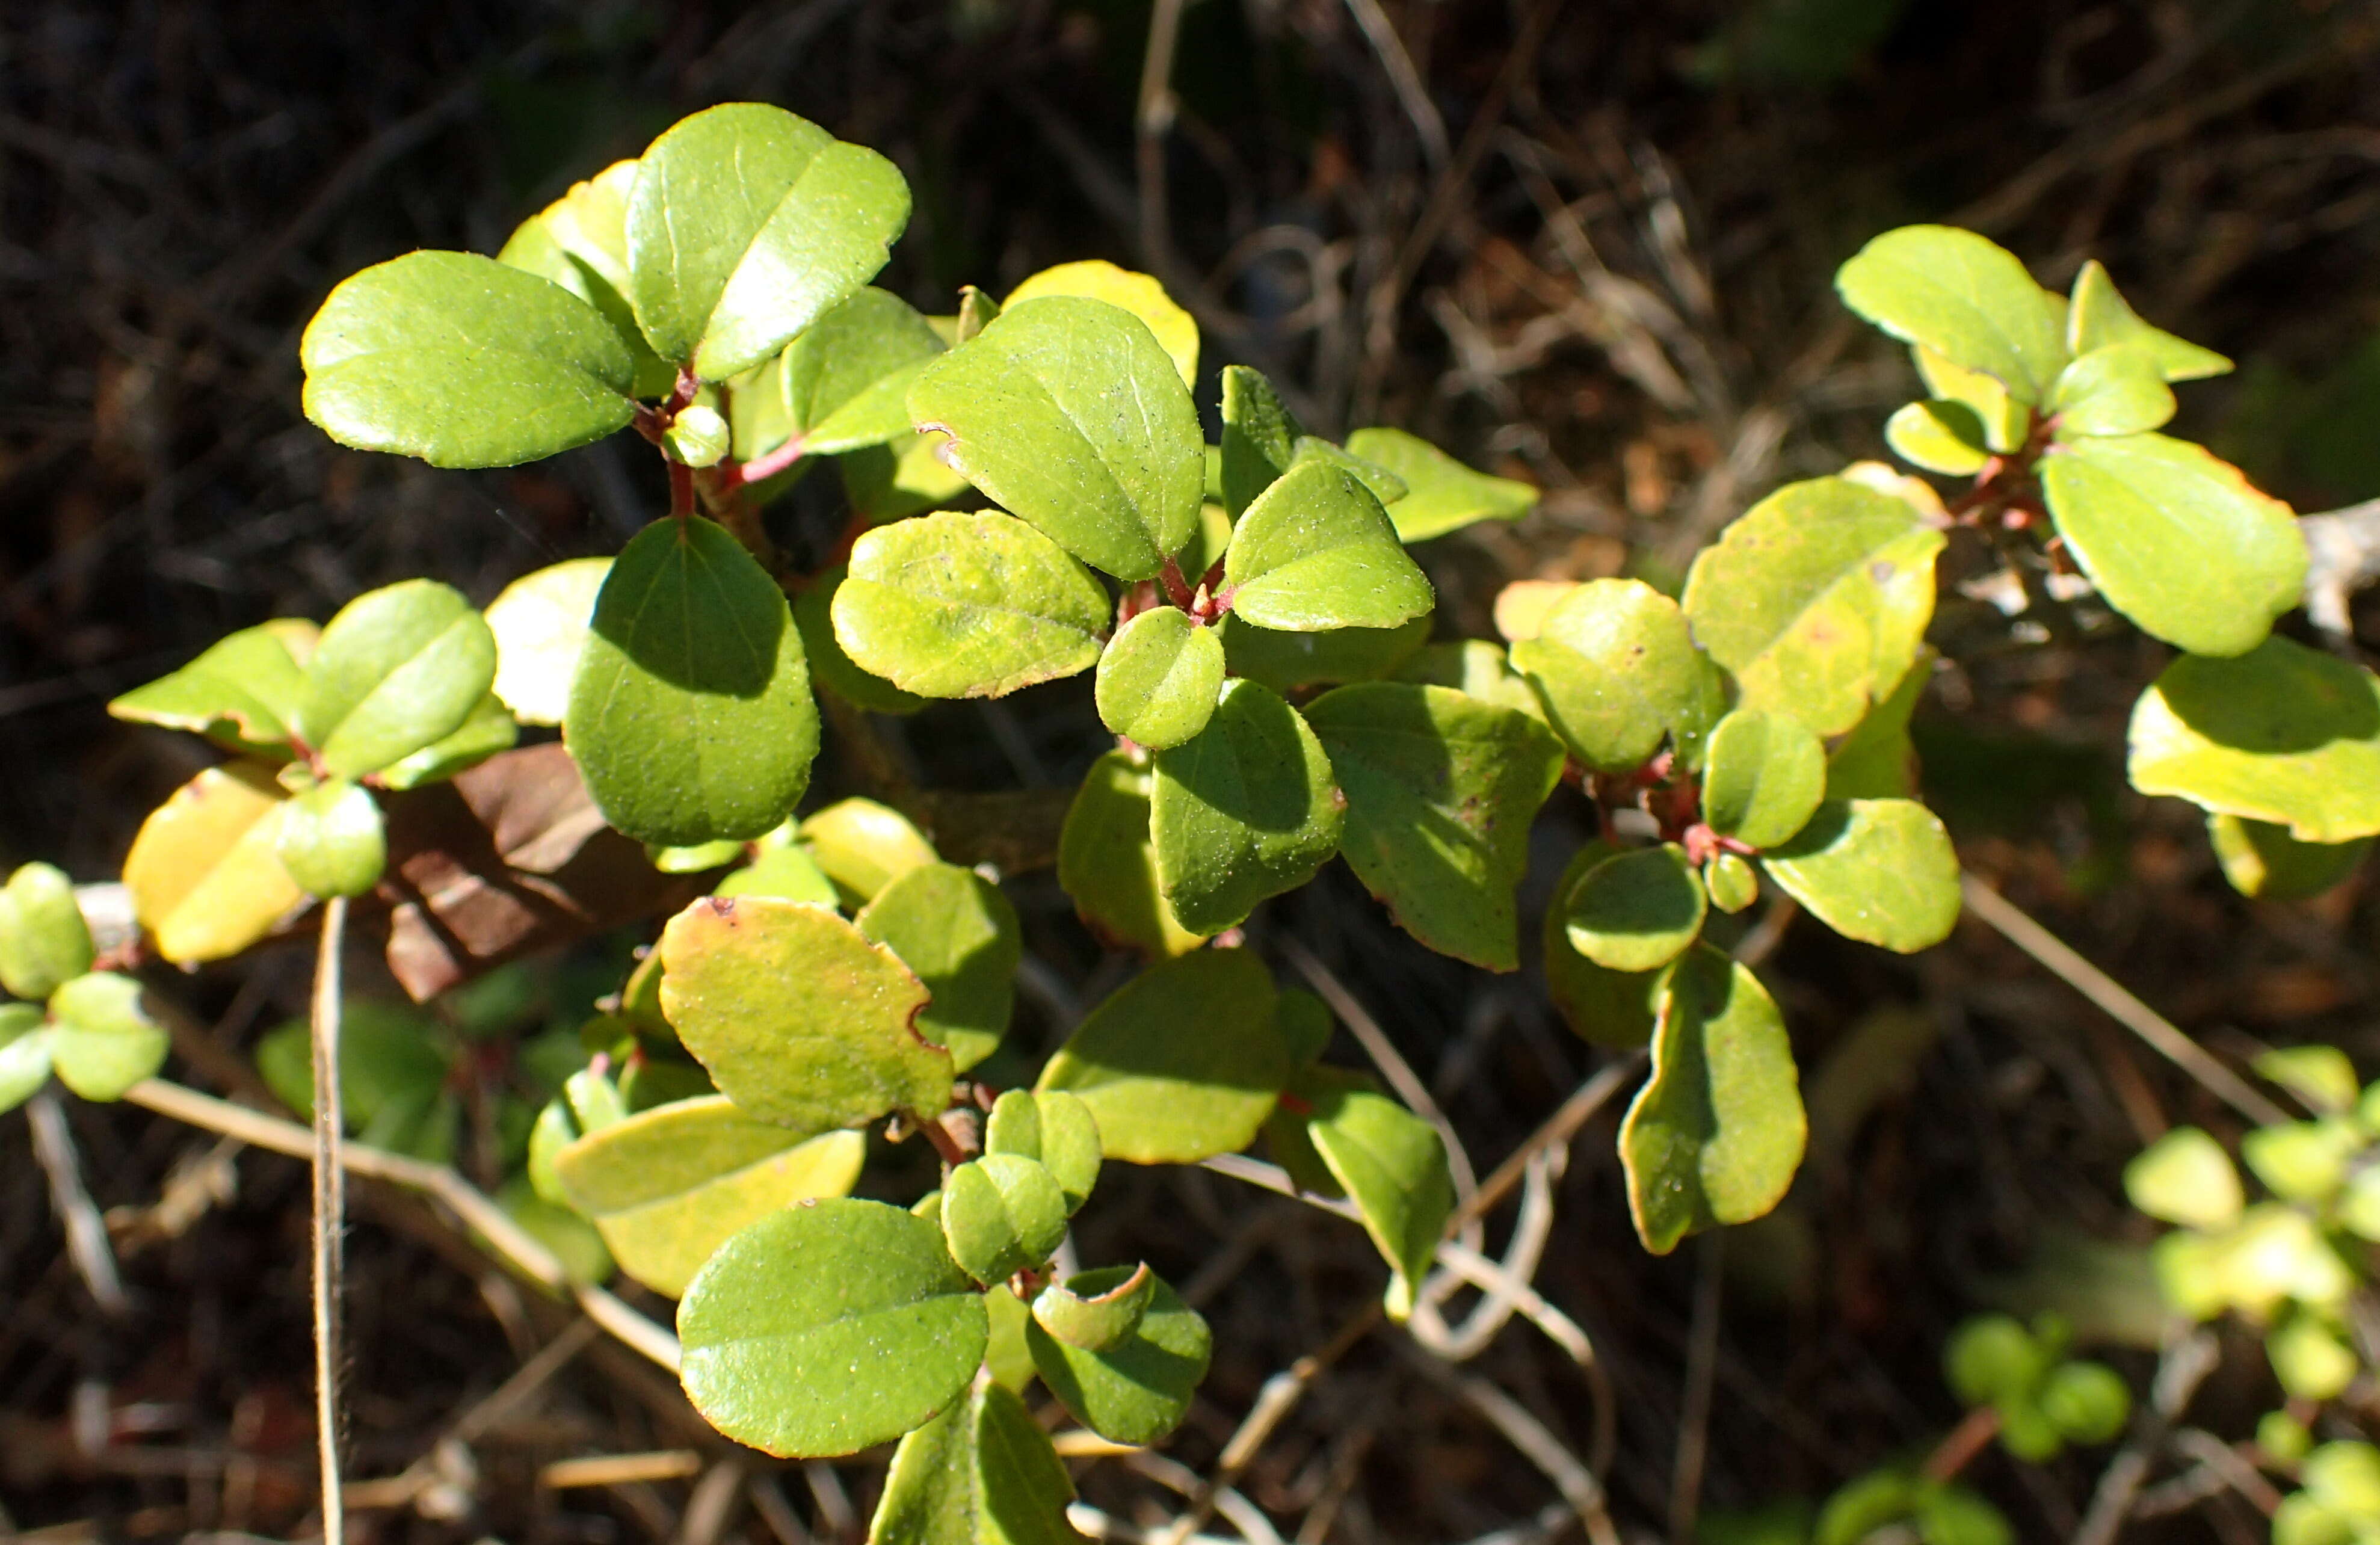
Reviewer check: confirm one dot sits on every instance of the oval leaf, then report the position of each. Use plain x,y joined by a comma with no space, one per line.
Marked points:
1617,671
1286,662
958,933
2175,540
463,362
799,1018
1441,791
540,621
1939,435
2261,860
747,224
331,840
580,241
1763,779
2113,390
1159,678
828,1327
1882,871
1964,297
1604,1006
1260,437
2283,733
43,941
101,1040
1180,1063
1317,552
1107,862
967,606
845,380
1441,494
204,880
1055,1129
1637,910
1002,1214
831,668
2098,316
24,1053
1067,411
691,715
982,1473
1094,1312
1244,810
398,669
1175,330
1391,1162
863,847
1715,1134
242,692
1136,1392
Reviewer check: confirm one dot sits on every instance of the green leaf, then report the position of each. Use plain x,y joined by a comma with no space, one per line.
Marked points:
1107,861
1473,667
24,1053
394,1073
1006,1358
331,840
1135,1392
1882,871
1390,1161
1604,1006
958,933
398,669
1716,1133
2175,540
1317,552
1286,662
1002,1214
691,715
44,939
700,858
1877,759
845,380
1245,810
1441,494
789,872
2302,1161
1067,411
1099,1315
1764,778
1441,790
2319,1076
574,1242
798,1016
1378,480
1054,1130
669,1186
2263,860
1175,329
1993,1358
2007,422
824,1329
2112,390
540,623
1618,672
887,482
2097,316
580,241
830,666
488,730
2283,733
745,225
1180,1063
241,693
982,1473
203,874
1636,911
1731,883
1817,600
697,436
1964,297
1159,678
1260,437
863,847
102,1040
967,606
1939,435
2311,1357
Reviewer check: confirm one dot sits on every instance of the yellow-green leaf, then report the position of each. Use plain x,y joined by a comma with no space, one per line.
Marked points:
2283,733
203,876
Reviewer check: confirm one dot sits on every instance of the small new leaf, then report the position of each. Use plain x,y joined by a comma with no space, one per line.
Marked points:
43,941
1638,910
1138,1391
2097,316
1244,809
101,1040
1764,778
1316,552
1964,297
1002,1214
1441,494
2112,390
331,840
1159,678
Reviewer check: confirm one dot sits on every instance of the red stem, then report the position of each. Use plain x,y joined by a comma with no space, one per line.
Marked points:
763,467
681,479
1177,588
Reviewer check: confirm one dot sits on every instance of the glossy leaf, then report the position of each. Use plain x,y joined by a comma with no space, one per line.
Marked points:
901,478
845,380
580,241
1260,437
488,732
1605,1007
1068,412
981,1473
204,880
1882,871
44,939
102,1040
798,1016
2097,316
691,716
463,362
24,1054
787,873
540,623
1441,790
1637,910
2283,733
1002,1214
967,606
1441,494
1175,329
398,669
824,1329
242,692
1390,1161
1877,759
1939,435
331,840
1817,600
2174,540
1962,296
1286,662
2112,390
2263,860
1317,552
1764,778
1717,1132
1159,678
1245,810
667,1187
954,928
745,225
831,668
1378,480
1180,1063
1135,1392
1618,672
1097,1320
1107,861
863,847
1053,1129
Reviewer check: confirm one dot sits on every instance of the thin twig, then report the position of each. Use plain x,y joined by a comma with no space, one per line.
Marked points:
2162,1036
330,1209
1553,1132
1153,122
1702,1367
2185,1365
87,1245
619,1469
1537,1444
